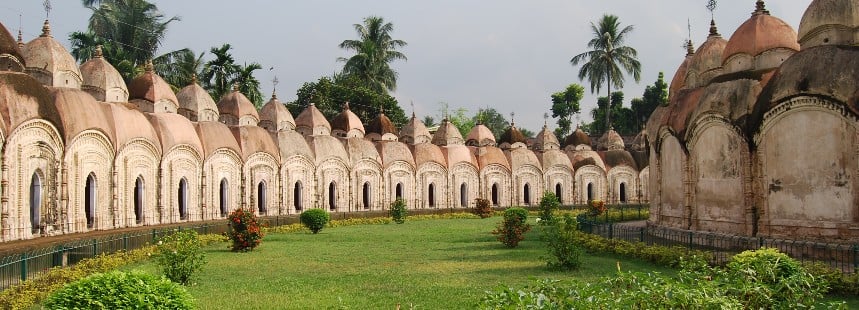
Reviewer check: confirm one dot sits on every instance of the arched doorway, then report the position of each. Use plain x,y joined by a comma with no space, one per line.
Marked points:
559,192
138,200
431,195
463,195
622,192
183,199
35,202
223,197
495,194
332,196
527,193
89,200
590,192
399,191
365,192
261,198
296,196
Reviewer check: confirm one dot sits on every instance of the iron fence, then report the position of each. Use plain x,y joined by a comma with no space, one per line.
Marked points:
844,257
15,268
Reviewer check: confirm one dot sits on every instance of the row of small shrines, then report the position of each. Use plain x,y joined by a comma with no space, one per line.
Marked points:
83,151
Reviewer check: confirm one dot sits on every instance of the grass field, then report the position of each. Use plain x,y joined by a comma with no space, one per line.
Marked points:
431,264
437,264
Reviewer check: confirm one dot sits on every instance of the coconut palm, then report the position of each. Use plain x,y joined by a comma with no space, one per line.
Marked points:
248,84
219,73
374,51
608,55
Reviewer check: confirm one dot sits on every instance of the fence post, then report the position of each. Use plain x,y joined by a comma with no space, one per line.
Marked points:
691,234
611,231
855,258
641,234
24,266
760,242
154,236
94,248
125,242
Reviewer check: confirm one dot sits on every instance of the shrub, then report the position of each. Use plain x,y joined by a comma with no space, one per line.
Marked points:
596,207
398,211
840,283
513,228
244,230
564,253
769,279
482,208
548,205
314,219
180,255
120,290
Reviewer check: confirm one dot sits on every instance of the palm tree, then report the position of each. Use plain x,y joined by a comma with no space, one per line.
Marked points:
178,68
603,63
374,50
248,84
219,73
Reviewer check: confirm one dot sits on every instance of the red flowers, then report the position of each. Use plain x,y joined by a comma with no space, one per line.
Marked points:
244,230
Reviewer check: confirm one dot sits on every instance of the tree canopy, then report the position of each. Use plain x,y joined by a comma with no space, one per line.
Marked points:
493,120
330,93
374,50
565,104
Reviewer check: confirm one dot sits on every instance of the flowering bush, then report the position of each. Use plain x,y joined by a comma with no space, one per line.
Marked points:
180,255
513,228
548,205
244,230
314,219
596,207
482,208
398,211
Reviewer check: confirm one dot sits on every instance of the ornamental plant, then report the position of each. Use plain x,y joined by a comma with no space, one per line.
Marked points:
513,228
482,208
398,211
180,255
244,230
314,219
121,290
560,239
596,207
548,205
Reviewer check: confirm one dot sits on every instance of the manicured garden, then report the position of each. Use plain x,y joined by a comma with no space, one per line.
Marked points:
429,264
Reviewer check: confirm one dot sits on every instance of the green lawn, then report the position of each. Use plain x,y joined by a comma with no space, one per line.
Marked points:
432,264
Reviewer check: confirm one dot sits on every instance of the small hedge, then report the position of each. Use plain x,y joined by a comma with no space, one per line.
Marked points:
482,208
512,229
398,211
120,290
315,219
660,255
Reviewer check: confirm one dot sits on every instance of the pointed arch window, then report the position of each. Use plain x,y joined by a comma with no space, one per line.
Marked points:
365,193
526,193
89,200
399,191
431,195
590,192
261,198
223,197
183,199
463,195
495,194
35,202
296,196
559,192
332,196
138,200
623,192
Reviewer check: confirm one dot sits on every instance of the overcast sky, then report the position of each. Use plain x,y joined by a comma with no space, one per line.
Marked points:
506,54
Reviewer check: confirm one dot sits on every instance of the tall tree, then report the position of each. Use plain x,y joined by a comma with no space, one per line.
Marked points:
565,104
654,96
622,121
457,117
219,73
374,51
608,55
248,84
330,93
493,120
131,32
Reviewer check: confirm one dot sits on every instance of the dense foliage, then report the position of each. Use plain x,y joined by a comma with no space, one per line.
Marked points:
747,283
180,256
513,227
329,94
482,208
244,230
549,204
374,50
121,290
560,239
398,211
565,104
314,219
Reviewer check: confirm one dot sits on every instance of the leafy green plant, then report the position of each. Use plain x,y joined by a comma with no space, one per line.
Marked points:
482,208
768,279
512,229
314,219
398,211
180,255
244,232
120,290
548,205
564,253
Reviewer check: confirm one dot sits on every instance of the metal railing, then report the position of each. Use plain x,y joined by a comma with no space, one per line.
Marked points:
844,257
18,267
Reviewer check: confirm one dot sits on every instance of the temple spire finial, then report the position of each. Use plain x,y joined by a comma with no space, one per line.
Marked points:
235,87
412,103
512,122
274,83
98,53
545,120
193,78
149,67
346,106
760,8
46,29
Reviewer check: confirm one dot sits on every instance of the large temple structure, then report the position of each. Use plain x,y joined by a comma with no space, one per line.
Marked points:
80,150
761,136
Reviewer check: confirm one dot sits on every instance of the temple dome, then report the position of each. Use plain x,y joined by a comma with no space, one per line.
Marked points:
151,93
311,122
611,140
577,138
480,135
347,124
447,134
102,81
11,58
511,137
49,62
761,42
678,82
237,110
381,128
415,132
274,116
829,22
196,104
546,140
706,63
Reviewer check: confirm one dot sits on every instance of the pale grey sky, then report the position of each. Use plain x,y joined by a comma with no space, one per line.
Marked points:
506,54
